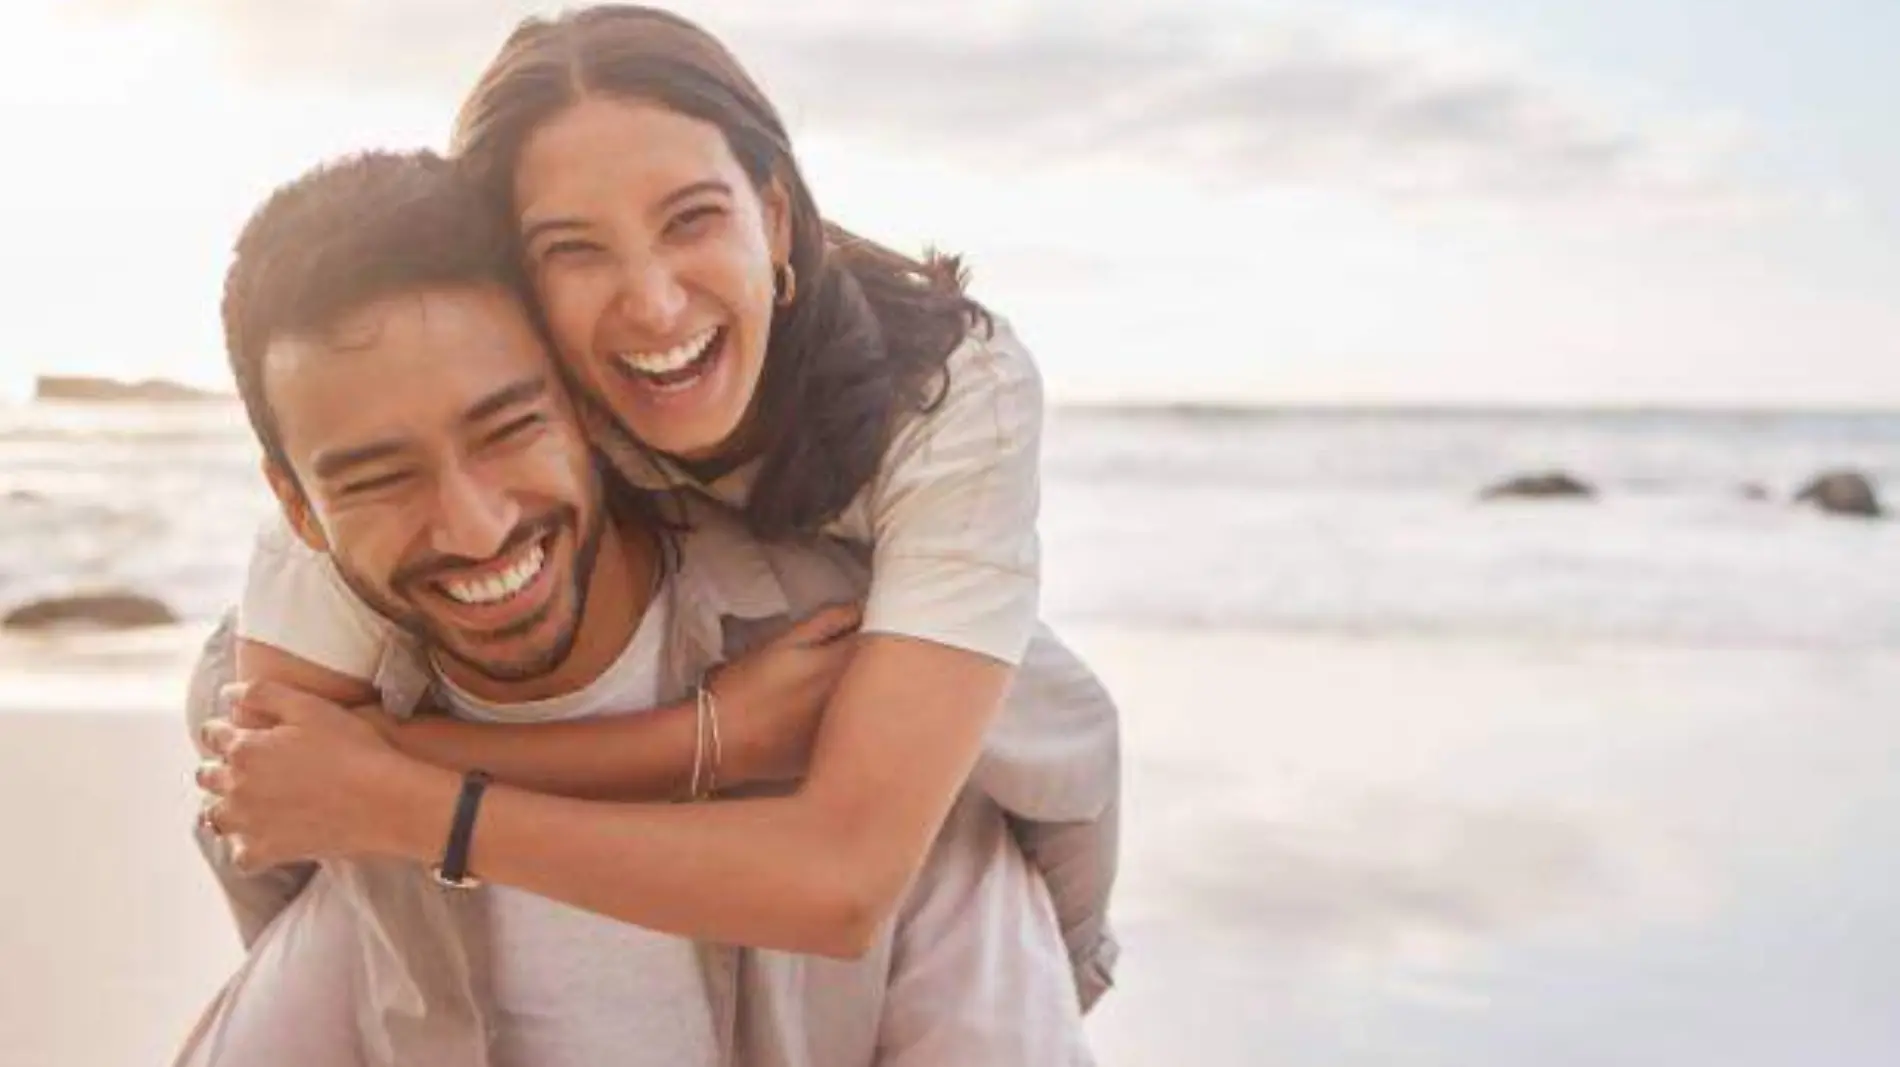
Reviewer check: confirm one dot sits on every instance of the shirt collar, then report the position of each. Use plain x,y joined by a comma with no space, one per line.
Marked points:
651,470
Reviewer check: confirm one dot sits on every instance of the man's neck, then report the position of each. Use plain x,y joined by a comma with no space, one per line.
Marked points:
618,593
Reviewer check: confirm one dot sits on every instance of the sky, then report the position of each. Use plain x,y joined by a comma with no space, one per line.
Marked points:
1569,202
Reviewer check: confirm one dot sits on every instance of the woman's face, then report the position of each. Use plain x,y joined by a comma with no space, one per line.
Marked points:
653,256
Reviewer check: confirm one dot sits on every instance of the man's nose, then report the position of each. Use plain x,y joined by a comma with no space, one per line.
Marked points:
652,297
473,518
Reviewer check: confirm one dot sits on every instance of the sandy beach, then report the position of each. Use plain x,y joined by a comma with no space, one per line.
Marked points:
112,933
1339,851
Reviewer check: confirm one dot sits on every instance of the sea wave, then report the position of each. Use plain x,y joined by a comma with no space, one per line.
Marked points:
1352,524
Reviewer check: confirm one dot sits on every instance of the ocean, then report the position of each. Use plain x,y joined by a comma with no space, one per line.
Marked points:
1353,522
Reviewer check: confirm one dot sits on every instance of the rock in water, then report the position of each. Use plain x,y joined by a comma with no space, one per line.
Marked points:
1842,492
107,390
116,611
1548,484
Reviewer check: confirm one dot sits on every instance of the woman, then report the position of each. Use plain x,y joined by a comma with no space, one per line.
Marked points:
730,343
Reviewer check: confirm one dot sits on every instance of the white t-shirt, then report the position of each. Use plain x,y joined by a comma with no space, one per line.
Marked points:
572,988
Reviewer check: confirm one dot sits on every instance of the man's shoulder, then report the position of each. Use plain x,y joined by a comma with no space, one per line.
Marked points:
721,566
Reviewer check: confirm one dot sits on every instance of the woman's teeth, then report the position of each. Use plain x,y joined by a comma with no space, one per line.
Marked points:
672,360
502,586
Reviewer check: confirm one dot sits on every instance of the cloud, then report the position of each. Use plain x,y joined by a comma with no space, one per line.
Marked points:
1325,102
1235,99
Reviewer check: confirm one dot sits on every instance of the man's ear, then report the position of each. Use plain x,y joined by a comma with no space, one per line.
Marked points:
296,506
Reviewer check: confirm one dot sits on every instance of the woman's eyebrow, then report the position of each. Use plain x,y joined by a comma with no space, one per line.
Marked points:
710,185
535,229
538,227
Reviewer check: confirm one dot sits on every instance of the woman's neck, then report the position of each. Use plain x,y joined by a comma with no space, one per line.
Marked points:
707,471
742,446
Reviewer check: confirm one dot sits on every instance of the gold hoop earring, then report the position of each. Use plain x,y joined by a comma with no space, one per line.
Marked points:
785,280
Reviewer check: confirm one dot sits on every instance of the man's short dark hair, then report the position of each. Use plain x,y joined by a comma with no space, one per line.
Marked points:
343,236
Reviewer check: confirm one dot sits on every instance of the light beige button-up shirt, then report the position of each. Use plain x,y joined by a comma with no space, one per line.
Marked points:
1050,764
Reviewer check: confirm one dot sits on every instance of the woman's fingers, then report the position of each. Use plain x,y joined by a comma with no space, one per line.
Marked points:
250,717
213,776
828,624
216,736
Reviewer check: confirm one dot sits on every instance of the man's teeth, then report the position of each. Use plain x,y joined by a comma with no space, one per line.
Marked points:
673,359
501,586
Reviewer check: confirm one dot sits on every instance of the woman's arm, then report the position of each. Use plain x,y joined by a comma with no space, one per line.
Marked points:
768,705
816,871
639,756
643,756
259,662
303,627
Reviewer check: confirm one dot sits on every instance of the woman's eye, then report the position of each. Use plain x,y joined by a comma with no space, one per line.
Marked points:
694,219
558,249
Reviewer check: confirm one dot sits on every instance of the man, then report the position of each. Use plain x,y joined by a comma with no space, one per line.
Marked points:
416,432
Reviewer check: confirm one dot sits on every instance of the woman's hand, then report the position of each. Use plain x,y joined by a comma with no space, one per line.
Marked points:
771,699
296,777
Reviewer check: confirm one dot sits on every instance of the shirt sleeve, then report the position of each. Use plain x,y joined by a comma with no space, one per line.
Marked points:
953,509
295,601
978,971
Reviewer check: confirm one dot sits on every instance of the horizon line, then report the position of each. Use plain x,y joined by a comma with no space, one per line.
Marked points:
1469,407
1236,408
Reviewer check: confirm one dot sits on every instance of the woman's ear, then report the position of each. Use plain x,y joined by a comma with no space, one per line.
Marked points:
776,202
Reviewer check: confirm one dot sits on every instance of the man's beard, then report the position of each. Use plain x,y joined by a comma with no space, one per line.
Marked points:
421,627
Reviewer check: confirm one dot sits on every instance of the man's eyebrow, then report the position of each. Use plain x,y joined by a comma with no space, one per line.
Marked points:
334,464
522,392
542,226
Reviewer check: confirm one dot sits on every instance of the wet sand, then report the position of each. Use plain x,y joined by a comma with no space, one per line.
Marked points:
112,934
1338,852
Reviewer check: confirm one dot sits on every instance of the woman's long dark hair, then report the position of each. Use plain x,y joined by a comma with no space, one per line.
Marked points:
866,338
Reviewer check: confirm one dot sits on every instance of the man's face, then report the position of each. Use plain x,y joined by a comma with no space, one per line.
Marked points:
434,456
